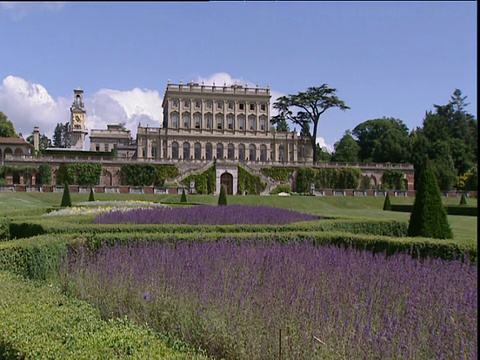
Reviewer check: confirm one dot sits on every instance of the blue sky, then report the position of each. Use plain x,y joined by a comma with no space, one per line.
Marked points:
392,59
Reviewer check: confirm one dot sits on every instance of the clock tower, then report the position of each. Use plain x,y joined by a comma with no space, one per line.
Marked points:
77,129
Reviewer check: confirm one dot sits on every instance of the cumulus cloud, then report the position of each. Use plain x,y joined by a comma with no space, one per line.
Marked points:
19,10
133,107
27,105
324,145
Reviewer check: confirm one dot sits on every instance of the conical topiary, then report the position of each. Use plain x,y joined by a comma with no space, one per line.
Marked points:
386,203
463,200
222,198
66,199
183,198
91,197
429,217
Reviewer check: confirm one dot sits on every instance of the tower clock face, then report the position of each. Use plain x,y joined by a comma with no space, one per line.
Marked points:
77,120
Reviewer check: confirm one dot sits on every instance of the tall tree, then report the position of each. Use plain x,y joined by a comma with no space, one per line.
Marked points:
305,108
6,127
346,149
450,135
61,138
388,135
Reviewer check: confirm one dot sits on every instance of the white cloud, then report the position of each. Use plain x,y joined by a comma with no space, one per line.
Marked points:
19,10
324,145
130,107
27,105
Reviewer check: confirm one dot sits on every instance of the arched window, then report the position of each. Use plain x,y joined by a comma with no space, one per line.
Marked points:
198,151
219,121
174,150
208,121
231,152
263,123
175,120
252,122
263,153
186,150
219,151
186,120
252,156
241,152
197,118
208,151
241,122
230,122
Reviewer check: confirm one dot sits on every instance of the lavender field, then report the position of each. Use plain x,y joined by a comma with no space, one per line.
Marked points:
205,215
265,300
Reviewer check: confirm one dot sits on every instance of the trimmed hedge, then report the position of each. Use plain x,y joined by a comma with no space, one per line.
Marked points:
24,229
40,322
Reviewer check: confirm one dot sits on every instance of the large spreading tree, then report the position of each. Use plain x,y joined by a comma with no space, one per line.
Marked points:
305,108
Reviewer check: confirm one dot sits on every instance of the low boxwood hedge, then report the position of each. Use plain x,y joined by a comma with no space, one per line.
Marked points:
38,322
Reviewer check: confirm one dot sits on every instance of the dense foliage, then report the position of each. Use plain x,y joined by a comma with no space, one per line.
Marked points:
279,173
205,214
250,183
240,300
204,182
7,128
45,174
387,205
328,178
39,322
147,174
393,180
429,217
91,196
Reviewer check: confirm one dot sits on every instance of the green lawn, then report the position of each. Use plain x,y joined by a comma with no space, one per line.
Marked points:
464,227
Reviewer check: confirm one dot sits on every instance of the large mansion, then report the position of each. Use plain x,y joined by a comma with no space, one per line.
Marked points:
203,126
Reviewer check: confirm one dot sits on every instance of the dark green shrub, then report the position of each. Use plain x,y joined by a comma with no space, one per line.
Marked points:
91,197
4,229
204,182
429,217
386,204
463,200
250,183
222,199
66,199
183,198
45,172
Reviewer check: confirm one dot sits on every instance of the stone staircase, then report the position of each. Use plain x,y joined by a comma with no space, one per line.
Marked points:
271,184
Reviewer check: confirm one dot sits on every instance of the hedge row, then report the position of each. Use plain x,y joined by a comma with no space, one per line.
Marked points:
24,229
451,209
38,322
39,257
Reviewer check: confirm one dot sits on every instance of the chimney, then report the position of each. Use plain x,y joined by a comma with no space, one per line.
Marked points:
36,138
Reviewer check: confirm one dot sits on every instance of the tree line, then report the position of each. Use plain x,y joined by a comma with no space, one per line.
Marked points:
448,137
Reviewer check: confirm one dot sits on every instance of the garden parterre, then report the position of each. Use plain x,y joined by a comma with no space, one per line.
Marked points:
212,322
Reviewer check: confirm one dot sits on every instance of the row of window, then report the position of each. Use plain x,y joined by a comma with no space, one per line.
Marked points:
219,122
220,152
219,105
